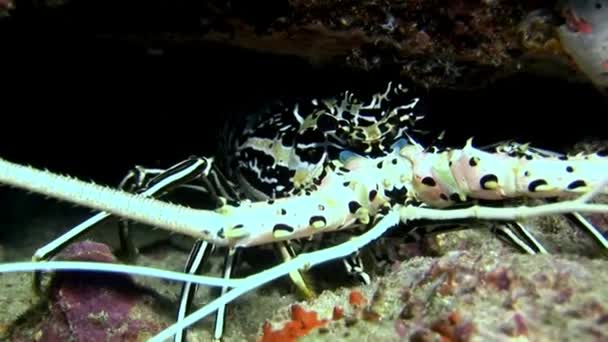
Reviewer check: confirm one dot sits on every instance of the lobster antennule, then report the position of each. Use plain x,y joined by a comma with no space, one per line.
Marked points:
446,177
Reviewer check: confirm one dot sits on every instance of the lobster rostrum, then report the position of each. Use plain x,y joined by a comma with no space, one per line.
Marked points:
327,165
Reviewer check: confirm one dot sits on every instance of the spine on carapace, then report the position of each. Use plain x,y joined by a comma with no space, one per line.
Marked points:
444,178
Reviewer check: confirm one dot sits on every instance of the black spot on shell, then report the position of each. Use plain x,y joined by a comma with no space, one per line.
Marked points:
312,155
394,161
363,122
396,195
569,169
527,173
473,162
372,195
379,165
429,181
443,197
486,179
283,211
577,184
455,198
528,157
327,123
282,226
535,184
602,152
317,218
288,138
353,206
220,233
310,135
346,184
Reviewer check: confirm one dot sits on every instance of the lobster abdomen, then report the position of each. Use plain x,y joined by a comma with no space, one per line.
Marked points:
444,178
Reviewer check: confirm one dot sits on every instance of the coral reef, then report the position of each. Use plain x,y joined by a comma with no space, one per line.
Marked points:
458,44
471,296
93,307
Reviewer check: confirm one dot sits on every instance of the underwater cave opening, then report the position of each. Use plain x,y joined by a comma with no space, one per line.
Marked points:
101,106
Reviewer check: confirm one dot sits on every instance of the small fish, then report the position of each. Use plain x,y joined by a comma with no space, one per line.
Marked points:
584,37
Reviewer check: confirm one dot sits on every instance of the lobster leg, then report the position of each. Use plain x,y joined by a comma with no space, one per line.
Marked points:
523,150
286,253
134,181
513,233
356,269
198,256
590,229
168,180
518,235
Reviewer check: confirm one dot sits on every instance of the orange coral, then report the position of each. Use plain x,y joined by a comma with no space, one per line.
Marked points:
301,323
356,298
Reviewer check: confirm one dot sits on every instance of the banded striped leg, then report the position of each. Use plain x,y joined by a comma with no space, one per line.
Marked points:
590,229
518,235
135,180
222,190
356,269
198,256
181,173
513,233
178,176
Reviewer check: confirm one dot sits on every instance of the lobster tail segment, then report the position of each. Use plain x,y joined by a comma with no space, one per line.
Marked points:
444,178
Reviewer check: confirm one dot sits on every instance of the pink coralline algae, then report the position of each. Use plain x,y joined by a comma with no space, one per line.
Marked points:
97,307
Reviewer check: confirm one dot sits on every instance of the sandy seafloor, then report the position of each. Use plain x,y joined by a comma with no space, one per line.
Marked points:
469,286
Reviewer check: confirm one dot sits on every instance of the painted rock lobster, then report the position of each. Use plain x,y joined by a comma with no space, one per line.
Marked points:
340,164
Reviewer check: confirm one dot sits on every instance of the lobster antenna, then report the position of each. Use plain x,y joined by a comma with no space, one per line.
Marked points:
45,266
175,218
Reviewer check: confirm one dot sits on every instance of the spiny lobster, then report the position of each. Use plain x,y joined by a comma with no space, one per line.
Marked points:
324,165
